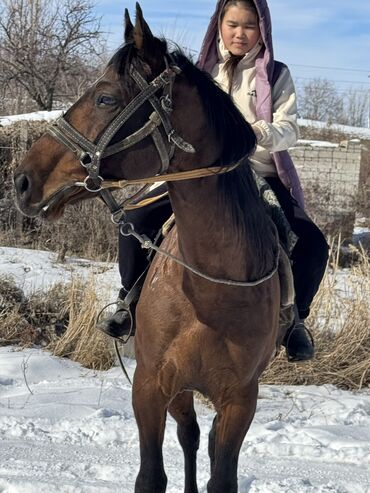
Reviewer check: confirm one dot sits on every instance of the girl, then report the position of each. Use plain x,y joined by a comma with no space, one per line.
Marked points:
237,51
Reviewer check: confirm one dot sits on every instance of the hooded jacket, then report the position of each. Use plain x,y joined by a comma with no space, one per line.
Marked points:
267,72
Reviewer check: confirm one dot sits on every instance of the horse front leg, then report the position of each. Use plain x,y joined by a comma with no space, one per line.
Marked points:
182,410
229,429
150,407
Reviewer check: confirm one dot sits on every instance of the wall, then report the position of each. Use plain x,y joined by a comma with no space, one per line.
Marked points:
330,176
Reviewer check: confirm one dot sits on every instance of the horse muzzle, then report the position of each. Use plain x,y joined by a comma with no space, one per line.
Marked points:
23,194
51,207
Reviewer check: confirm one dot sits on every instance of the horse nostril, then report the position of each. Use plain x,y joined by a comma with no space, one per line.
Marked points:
22,184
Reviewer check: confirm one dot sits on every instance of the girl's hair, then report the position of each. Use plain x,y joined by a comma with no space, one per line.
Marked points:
232,62
247,4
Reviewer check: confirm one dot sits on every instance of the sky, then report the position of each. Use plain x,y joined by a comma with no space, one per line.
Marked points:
316,38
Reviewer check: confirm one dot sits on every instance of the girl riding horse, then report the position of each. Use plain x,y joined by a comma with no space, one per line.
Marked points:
208,322
237,51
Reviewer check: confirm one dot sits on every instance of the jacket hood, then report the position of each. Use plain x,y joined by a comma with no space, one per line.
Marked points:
208,56
265,71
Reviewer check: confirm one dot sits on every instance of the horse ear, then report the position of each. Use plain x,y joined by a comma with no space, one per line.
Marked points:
129,28
143,36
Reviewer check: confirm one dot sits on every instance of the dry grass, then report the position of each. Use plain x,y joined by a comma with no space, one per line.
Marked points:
64,320
81,341
31,321
85,230
340,322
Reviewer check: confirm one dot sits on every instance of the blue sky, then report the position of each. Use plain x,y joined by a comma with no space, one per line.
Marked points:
307,33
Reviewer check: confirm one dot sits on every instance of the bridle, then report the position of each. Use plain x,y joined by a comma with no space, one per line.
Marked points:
90,154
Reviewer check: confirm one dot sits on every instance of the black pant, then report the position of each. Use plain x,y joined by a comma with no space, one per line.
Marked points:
309,256
147,220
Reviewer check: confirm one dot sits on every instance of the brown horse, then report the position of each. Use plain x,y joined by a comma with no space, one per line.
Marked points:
153,113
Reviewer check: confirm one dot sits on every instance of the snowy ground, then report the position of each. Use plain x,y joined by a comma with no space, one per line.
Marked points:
76,433
67,429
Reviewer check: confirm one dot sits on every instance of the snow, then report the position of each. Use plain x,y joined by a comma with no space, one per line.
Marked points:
76,433
33,270
67,429
36,116
52,115
315,143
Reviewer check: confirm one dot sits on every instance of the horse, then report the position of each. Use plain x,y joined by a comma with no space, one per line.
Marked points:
208,316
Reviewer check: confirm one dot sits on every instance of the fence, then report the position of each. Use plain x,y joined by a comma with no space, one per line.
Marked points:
330,175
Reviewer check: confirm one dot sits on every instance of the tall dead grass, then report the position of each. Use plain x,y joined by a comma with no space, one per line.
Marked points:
340,323
35,320
81,341
62,320
85,230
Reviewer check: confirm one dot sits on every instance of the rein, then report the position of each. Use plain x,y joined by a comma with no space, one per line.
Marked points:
128,229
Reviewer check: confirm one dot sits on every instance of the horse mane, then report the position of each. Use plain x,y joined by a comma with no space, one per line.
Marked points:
238,189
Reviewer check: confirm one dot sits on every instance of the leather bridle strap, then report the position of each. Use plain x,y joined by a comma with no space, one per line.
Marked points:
90,154
168,177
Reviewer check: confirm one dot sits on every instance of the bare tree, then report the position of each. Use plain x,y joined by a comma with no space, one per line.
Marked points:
356,108
319,100
44,43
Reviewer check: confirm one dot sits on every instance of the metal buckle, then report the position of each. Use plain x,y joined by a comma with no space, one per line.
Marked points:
86,159
126,229
117,216
163,79
96,186
166,103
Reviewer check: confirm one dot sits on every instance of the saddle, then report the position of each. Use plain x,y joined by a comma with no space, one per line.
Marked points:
287,295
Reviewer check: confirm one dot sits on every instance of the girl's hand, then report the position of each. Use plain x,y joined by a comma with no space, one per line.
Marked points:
257,132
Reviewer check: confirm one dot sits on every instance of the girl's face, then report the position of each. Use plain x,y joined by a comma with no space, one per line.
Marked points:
240,30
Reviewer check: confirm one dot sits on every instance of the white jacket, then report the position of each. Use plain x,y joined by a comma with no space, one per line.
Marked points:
283,132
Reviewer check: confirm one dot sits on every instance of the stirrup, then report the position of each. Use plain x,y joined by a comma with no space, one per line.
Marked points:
125,302
293,353
112,326
293,328
116,328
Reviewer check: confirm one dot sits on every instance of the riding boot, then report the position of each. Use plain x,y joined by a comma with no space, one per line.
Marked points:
122,322
298,343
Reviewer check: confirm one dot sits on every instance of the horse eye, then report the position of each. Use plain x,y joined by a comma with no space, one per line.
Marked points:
105,100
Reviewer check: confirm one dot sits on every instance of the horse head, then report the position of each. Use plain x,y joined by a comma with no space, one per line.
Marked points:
143,117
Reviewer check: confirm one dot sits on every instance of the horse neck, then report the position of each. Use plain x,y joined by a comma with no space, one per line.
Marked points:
207,236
